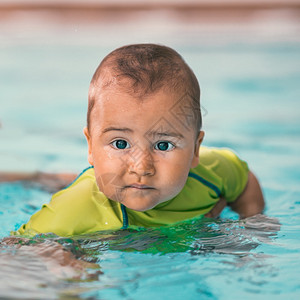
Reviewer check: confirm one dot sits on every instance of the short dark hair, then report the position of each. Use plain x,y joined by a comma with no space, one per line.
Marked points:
143,69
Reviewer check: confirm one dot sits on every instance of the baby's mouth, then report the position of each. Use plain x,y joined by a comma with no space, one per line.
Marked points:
140,186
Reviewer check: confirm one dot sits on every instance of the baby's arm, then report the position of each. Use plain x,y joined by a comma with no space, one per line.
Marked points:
251,201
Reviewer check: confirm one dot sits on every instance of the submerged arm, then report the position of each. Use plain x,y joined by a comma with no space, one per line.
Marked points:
53,182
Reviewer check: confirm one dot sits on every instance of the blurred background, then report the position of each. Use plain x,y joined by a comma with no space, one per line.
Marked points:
244,53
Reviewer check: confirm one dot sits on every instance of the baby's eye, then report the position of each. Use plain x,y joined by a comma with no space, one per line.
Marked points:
120,144
164,146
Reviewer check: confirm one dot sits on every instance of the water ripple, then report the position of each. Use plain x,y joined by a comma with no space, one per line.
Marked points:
50,266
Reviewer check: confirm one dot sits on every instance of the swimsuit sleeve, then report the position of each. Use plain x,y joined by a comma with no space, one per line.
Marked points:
77,209
232,171
69,212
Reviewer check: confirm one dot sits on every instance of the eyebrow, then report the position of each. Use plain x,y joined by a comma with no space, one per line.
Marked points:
166,133
151,133
123,129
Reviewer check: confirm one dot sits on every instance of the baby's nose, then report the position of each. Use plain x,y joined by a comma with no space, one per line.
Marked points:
142,165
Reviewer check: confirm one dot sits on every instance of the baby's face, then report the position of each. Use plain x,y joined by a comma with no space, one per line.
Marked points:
141,151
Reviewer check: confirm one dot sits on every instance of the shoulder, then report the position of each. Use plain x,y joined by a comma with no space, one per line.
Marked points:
87,175
81,196
223,167
220,158
210,154
80,188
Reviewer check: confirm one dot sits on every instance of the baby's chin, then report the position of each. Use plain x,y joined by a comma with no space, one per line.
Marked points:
140,204
140,208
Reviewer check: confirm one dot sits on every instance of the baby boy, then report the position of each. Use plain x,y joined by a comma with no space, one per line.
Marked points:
148,167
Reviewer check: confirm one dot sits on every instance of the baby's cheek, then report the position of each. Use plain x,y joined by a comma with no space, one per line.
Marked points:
174,182
179,168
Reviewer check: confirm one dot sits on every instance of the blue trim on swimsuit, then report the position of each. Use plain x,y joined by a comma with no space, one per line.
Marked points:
125,217
90,167
205,182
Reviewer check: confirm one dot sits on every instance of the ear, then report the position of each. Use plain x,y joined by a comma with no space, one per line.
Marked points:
199,140
89,142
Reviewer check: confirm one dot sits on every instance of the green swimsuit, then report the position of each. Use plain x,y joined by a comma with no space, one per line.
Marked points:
82,208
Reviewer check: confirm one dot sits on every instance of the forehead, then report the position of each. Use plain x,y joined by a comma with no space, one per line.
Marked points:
113,107
116,101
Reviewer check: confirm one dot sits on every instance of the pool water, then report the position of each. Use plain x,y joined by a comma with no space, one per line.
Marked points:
250,95
202,258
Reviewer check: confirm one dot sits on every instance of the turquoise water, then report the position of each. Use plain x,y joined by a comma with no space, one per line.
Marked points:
250,93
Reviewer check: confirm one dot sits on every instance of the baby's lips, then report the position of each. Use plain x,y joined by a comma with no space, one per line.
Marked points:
139,186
